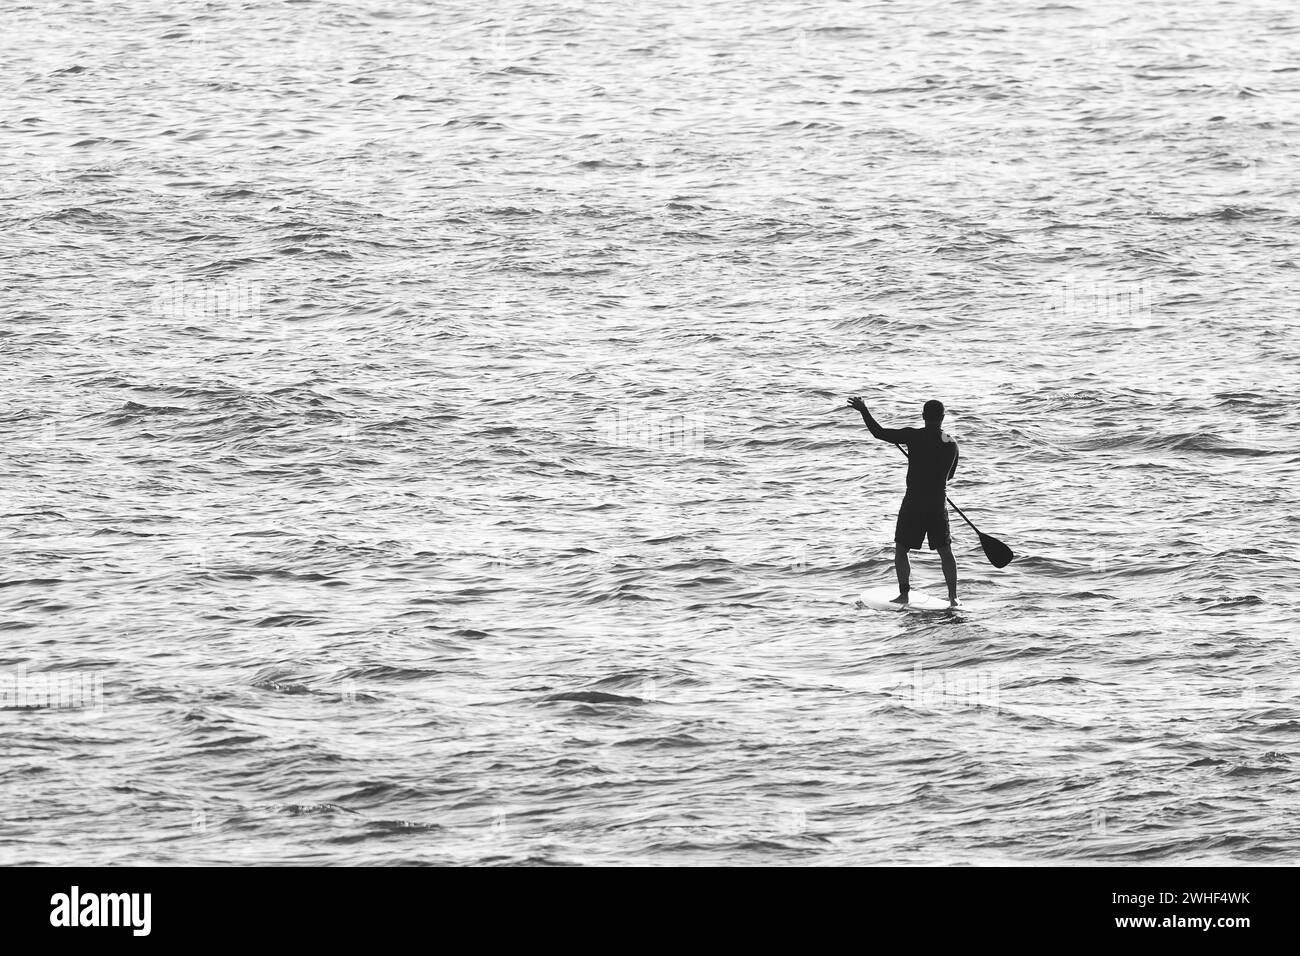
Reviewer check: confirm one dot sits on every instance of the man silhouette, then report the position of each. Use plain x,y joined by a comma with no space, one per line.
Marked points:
932,460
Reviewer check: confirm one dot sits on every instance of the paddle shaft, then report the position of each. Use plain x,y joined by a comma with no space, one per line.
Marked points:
945,497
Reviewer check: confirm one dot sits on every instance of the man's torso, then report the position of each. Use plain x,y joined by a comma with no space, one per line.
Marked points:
930,458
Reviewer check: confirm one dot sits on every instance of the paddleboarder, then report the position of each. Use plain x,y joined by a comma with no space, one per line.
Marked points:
932,461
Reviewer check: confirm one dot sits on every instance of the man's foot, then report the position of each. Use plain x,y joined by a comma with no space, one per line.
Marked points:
953,602
901,599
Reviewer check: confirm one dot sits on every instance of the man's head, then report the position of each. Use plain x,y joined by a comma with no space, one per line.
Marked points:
932,412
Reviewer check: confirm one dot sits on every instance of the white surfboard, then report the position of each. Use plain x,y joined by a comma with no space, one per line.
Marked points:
882,599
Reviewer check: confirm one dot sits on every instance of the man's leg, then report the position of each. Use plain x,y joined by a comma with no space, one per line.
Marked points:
904,572
949,571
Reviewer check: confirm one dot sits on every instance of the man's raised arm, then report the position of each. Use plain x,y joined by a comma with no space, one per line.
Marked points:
895,435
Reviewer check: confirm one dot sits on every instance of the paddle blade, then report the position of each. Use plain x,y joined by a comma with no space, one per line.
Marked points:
999,554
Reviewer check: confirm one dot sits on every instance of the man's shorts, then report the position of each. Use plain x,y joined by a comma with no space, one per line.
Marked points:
919,521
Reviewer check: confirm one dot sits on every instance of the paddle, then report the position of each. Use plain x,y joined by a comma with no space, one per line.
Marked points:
999,554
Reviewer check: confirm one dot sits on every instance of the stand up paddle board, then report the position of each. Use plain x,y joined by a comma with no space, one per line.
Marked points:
882,599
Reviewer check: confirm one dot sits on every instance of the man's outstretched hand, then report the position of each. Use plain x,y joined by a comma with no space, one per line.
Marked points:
858,404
